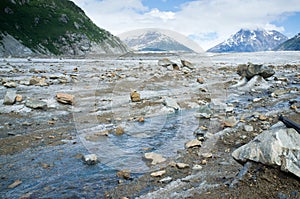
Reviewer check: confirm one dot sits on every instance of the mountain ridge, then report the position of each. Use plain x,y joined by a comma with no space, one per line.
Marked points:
53,27
292,44
247,40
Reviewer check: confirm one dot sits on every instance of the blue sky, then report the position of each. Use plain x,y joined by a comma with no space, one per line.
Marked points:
207,22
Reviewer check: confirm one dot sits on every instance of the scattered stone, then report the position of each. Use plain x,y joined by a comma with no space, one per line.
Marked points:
65,98
204,162
250,70
124,174
169,102
165,62
141,119
197,167
166,180
19,98
207,155
248,128
156,158
257,99
15,184
277,146
36,104
90,159
262,117
120,130
158,173
187,64
38,81
193,143
182,165
10,84
10,97
200,80
230,122
135,96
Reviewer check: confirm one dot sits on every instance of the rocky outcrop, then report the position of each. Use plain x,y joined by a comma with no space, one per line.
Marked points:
278,146
250,70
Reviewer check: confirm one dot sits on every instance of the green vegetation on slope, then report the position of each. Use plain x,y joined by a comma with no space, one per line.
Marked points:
46,23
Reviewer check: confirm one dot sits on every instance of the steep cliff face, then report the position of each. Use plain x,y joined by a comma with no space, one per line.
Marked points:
51,27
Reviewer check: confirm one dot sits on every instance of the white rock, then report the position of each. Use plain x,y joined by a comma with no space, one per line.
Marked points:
277,147
180,165
193,143
166,180
197,167
248,128
90,159
169,102
158,173
10,97
156,158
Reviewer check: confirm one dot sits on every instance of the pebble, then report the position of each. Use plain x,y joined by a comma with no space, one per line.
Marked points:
248,128
193,143
197,167
166,180
182,165
90,159
207,155
65,98
120,130
158,173
135,96
15,184
124,174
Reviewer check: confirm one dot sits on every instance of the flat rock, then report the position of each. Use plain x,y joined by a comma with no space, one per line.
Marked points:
36,104
156,158
65,98
158,173
180,165
169,102
193,143
10,85
278,147
10,97
166,180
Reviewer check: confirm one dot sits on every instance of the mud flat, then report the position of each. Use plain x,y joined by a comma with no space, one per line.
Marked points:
204,103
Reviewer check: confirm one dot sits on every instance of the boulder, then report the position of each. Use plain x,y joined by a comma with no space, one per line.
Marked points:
156,158
65,98
278,146
38,81
90,159
187,64
158,173
10,97
250,70
165,62
193,143
10,84
135,96
169,102
36,104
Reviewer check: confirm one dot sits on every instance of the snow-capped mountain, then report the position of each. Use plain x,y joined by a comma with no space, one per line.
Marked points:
153,40
250,41
291,44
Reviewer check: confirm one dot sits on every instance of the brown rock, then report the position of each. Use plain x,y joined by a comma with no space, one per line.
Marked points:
119,130
124,174
156,158
200,80
65,98
15,184
182,165
135,96
193,143
19,98
141,119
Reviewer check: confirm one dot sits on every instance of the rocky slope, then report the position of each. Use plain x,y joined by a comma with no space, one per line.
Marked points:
250,41
53,27
291,44
154,40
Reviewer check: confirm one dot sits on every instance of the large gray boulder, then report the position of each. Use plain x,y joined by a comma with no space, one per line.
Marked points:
250,70
278,146
10,97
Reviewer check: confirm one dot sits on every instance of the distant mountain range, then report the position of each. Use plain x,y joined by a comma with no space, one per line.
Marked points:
158,40
251,41
51,27
291,44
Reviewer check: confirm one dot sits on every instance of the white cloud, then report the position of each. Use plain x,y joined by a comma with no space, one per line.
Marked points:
197,18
